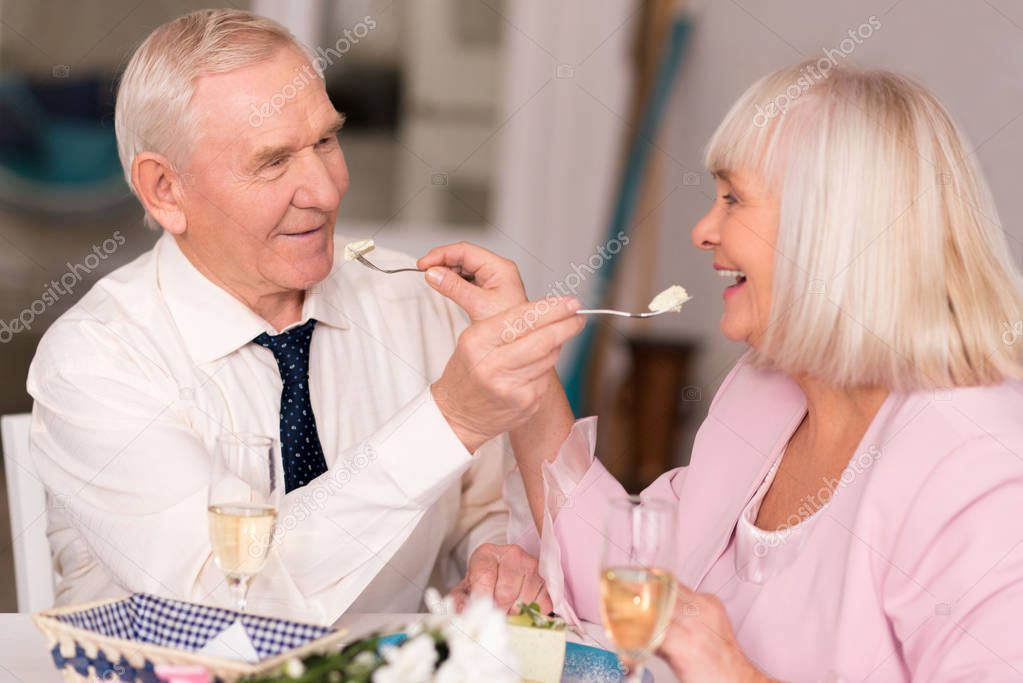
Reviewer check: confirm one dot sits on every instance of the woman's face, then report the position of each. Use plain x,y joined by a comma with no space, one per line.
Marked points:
741,229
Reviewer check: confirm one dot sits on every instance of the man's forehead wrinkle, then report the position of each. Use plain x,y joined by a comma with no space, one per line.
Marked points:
229,135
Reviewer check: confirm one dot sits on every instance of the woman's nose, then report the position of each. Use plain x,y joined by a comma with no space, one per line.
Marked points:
705,232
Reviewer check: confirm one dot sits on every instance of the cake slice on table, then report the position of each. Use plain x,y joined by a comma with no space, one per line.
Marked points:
539,643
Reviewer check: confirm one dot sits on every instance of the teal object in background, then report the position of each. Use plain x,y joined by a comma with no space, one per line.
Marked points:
58,150
628,195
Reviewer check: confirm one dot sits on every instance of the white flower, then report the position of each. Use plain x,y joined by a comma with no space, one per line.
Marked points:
479,646
294,668
411,662
441,607
365,659
442,610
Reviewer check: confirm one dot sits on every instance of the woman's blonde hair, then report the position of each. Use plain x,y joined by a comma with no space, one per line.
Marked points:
152,112
891,265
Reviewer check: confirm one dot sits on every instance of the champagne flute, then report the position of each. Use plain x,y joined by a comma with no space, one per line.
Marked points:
244,494
637,590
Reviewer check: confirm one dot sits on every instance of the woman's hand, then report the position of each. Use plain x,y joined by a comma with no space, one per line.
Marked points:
497,291
497,287
700,645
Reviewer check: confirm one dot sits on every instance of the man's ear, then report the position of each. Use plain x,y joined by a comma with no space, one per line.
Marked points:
160,189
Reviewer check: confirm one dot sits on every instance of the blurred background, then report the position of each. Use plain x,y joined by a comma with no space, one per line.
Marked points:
564,134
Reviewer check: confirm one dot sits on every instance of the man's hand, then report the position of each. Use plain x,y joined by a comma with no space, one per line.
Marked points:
500,371
506,573
544,418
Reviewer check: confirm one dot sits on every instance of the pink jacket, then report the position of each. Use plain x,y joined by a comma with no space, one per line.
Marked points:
915,572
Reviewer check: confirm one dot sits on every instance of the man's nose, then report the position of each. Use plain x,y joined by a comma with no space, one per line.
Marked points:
317,188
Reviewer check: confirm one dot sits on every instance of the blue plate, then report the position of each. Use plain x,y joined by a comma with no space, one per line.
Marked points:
583,664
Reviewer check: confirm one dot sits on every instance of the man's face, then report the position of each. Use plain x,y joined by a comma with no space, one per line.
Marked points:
261,192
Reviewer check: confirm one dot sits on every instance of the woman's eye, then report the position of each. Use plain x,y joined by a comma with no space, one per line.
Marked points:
729,198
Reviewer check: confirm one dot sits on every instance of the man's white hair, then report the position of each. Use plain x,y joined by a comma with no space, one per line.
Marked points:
153,112
891,267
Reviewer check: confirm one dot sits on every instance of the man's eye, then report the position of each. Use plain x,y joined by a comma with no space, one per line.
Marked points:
326,141
277,163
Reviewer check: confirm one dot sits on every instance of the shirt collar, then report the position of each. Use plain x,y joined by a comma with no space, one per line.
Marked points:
212,322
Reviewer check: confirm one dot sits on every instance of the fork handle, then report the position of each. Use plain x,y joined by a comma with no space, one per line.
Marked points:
602,311
620,314
468,277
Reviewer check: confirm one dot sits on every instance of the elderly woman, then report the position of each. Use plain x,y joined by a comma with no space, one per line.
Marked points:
854,504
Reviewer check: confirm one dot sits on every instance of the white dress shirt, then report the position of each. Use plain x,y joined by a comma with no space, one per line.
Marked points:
134,383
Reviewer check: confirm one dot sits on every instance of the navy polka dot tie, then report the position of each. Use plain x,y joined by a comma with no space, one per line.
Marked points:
300,442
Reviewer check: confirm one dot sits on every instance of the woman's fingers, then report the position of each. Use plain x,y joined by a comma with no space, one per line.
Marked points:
465,255
497,284
489,270
687,601
470,297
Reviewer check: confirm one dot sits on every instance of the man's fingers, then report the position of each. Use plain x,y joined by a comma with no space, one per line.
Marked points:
460,594
540,343
509,585
527,318
507,575
546,604
539,369
482,576
534,590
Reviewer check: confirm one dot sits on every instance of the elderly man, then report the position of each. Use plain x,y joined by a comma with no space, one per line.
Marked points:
217,329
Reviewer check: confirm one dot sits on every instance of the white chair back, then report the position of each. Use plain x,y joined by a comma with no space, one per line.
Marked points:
33,569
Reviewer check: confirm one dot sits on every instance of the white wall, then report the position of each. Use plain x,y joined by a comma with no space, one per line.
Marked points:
564,89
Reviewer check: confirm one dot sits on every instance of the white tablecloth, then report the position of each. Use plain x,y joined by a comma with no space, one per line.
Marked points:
24,657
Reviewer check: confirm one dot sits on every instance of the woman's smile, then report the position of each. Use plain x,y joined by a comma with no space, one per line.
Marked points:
738,275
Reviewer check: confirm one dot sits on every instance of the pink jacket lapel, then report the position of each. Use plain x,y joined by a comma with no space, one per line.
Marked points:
750,420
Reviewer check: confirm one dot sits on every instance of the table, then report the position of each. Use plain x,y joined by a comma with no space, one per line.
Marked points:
24,657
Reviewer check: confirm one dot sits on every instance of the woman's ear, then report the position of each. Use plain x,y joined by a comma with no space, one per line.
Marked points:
159,188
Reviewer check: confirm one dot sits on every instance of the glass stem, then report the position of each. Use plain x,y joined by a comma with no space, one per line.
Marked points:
635,674
239,586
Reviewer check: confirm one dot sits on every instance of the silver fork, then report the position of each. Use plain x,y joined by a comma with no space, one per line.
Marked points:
468,277
623,314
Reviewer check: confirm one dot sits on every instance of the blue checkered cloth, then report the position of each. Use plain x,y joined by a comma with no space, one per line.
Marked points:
187,626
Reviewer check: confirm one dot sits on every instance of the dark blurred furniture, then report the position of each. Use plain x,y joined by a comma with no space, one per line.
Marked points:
655,404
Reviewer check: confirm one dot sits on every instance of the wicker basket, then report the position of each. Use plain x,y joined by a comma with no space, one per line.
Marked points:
87,654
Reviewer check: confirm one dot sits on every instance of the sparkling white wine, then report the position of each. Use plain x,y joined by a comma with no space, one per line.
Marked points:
241,534
636,604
